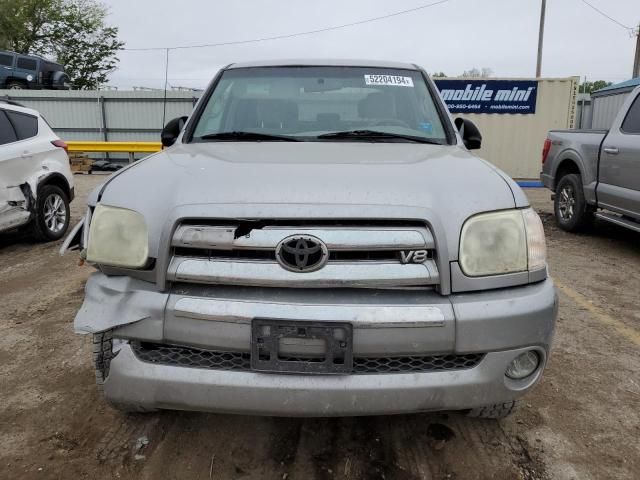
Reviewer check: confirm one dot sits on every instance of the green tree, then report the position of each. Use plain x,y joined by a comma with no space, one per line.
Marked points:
22,23
439,75
80,40
589,87
74,32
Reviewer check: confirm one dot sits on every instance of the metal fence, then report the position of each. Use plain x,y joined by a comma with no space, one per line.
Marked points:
105,115
608,102
606,109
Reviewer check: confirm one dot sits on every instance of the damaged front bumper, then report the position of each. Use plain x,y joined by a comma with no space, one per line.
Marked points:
499,325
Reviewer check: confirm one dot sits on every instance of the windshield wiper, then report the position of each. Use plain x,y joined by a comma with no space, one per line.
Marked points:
375,135
248,136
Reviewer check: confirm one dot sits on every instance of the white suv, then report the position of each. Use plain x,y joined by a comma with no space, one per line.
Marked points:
36,183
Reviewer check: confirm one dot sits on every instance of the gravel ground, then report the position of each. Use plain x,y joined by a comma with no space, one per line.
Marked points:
581,422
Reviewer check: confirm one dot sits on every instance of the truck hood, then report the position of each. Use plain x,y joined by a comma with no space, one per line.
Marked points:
443,185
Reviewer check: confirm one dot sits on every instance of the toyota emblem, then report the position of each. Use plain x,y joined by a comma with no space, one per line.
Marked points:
302,253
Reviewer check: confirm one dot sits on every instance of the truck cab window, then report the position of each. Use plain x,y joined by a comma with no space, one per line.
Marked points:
27,64
6,60
631,124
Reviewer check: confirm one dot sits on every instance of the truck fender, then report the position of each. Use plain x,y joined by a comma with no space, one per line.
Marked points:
137,303
570,162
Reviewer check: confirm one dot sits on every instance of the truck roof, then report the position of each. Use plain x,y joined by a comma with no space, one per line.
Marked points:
324,63
9,52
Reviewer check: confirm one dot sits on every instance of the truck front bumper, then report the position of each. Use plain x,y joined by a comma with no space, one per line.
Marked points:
132,381
500,324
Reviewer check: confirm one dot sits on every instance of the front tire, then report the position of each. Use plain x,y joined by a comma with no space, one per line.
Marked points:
570,207
52,214
102,356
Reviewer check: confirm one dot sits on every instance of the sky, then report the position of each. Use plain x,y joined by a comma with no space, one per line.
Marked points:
450,37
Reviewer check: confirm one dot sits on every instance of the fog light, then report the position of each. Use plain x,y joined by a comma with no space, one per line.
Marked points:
523,365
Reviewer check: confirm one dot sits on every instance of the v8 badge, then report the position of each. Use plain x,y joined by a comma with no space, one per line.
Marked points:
413,256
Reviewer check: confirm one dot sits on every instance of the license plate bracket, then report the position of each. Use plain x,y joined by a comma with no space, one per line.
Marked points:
331,343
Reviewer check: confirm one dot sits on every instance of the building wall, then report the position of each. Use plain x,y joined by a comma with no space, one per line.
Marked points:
514,142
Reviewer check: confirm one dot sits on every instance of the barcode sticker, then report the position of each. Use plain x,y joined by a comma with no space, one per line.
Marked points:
393,80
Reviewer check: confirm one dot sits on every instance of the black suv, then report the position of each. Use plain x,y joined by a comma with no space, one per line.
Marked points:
19,72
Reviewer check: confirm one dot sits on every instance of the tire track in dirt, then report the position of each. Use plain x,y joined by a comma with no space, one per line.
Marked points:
228,446
350,448
284,440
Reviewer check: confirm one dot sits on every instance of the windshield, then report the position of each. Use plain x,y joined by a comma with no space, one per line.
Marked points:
314,103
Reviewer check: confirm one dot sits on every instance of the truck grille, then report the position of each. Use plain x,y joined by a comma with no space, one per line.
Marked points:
182,356
353,255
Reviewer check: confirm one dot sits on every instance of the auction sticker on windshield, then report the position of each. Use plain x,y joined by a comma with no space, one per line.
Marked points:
393,80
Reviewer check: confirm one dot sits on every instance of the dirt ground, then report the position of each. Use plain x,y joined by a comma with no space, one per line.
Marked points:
581,422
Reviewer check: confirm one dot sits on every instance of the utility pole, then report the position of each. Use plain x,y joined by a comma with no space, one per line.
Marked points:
636,63
543,11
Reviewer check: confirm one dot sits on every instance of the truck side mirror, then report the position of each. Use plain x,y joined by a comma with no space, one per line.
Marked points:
171,131
470,133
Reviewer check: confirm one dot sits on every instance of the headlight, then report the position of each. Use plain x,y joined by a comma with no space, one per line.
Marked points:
502,242
536,243
118,237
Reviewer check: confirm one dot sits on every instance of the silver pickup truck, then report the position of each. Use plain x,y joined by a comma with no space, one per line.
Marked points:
596,173
316,239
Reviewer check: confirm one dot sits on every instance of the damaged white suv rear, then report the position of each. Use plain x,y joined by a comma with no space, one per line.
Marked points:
36,184
316,240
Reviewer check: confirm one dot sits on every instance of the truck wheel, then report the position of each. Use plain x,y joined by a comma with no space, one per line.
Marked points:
64,82
52,214
15,86
571,209
102,355
499,410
